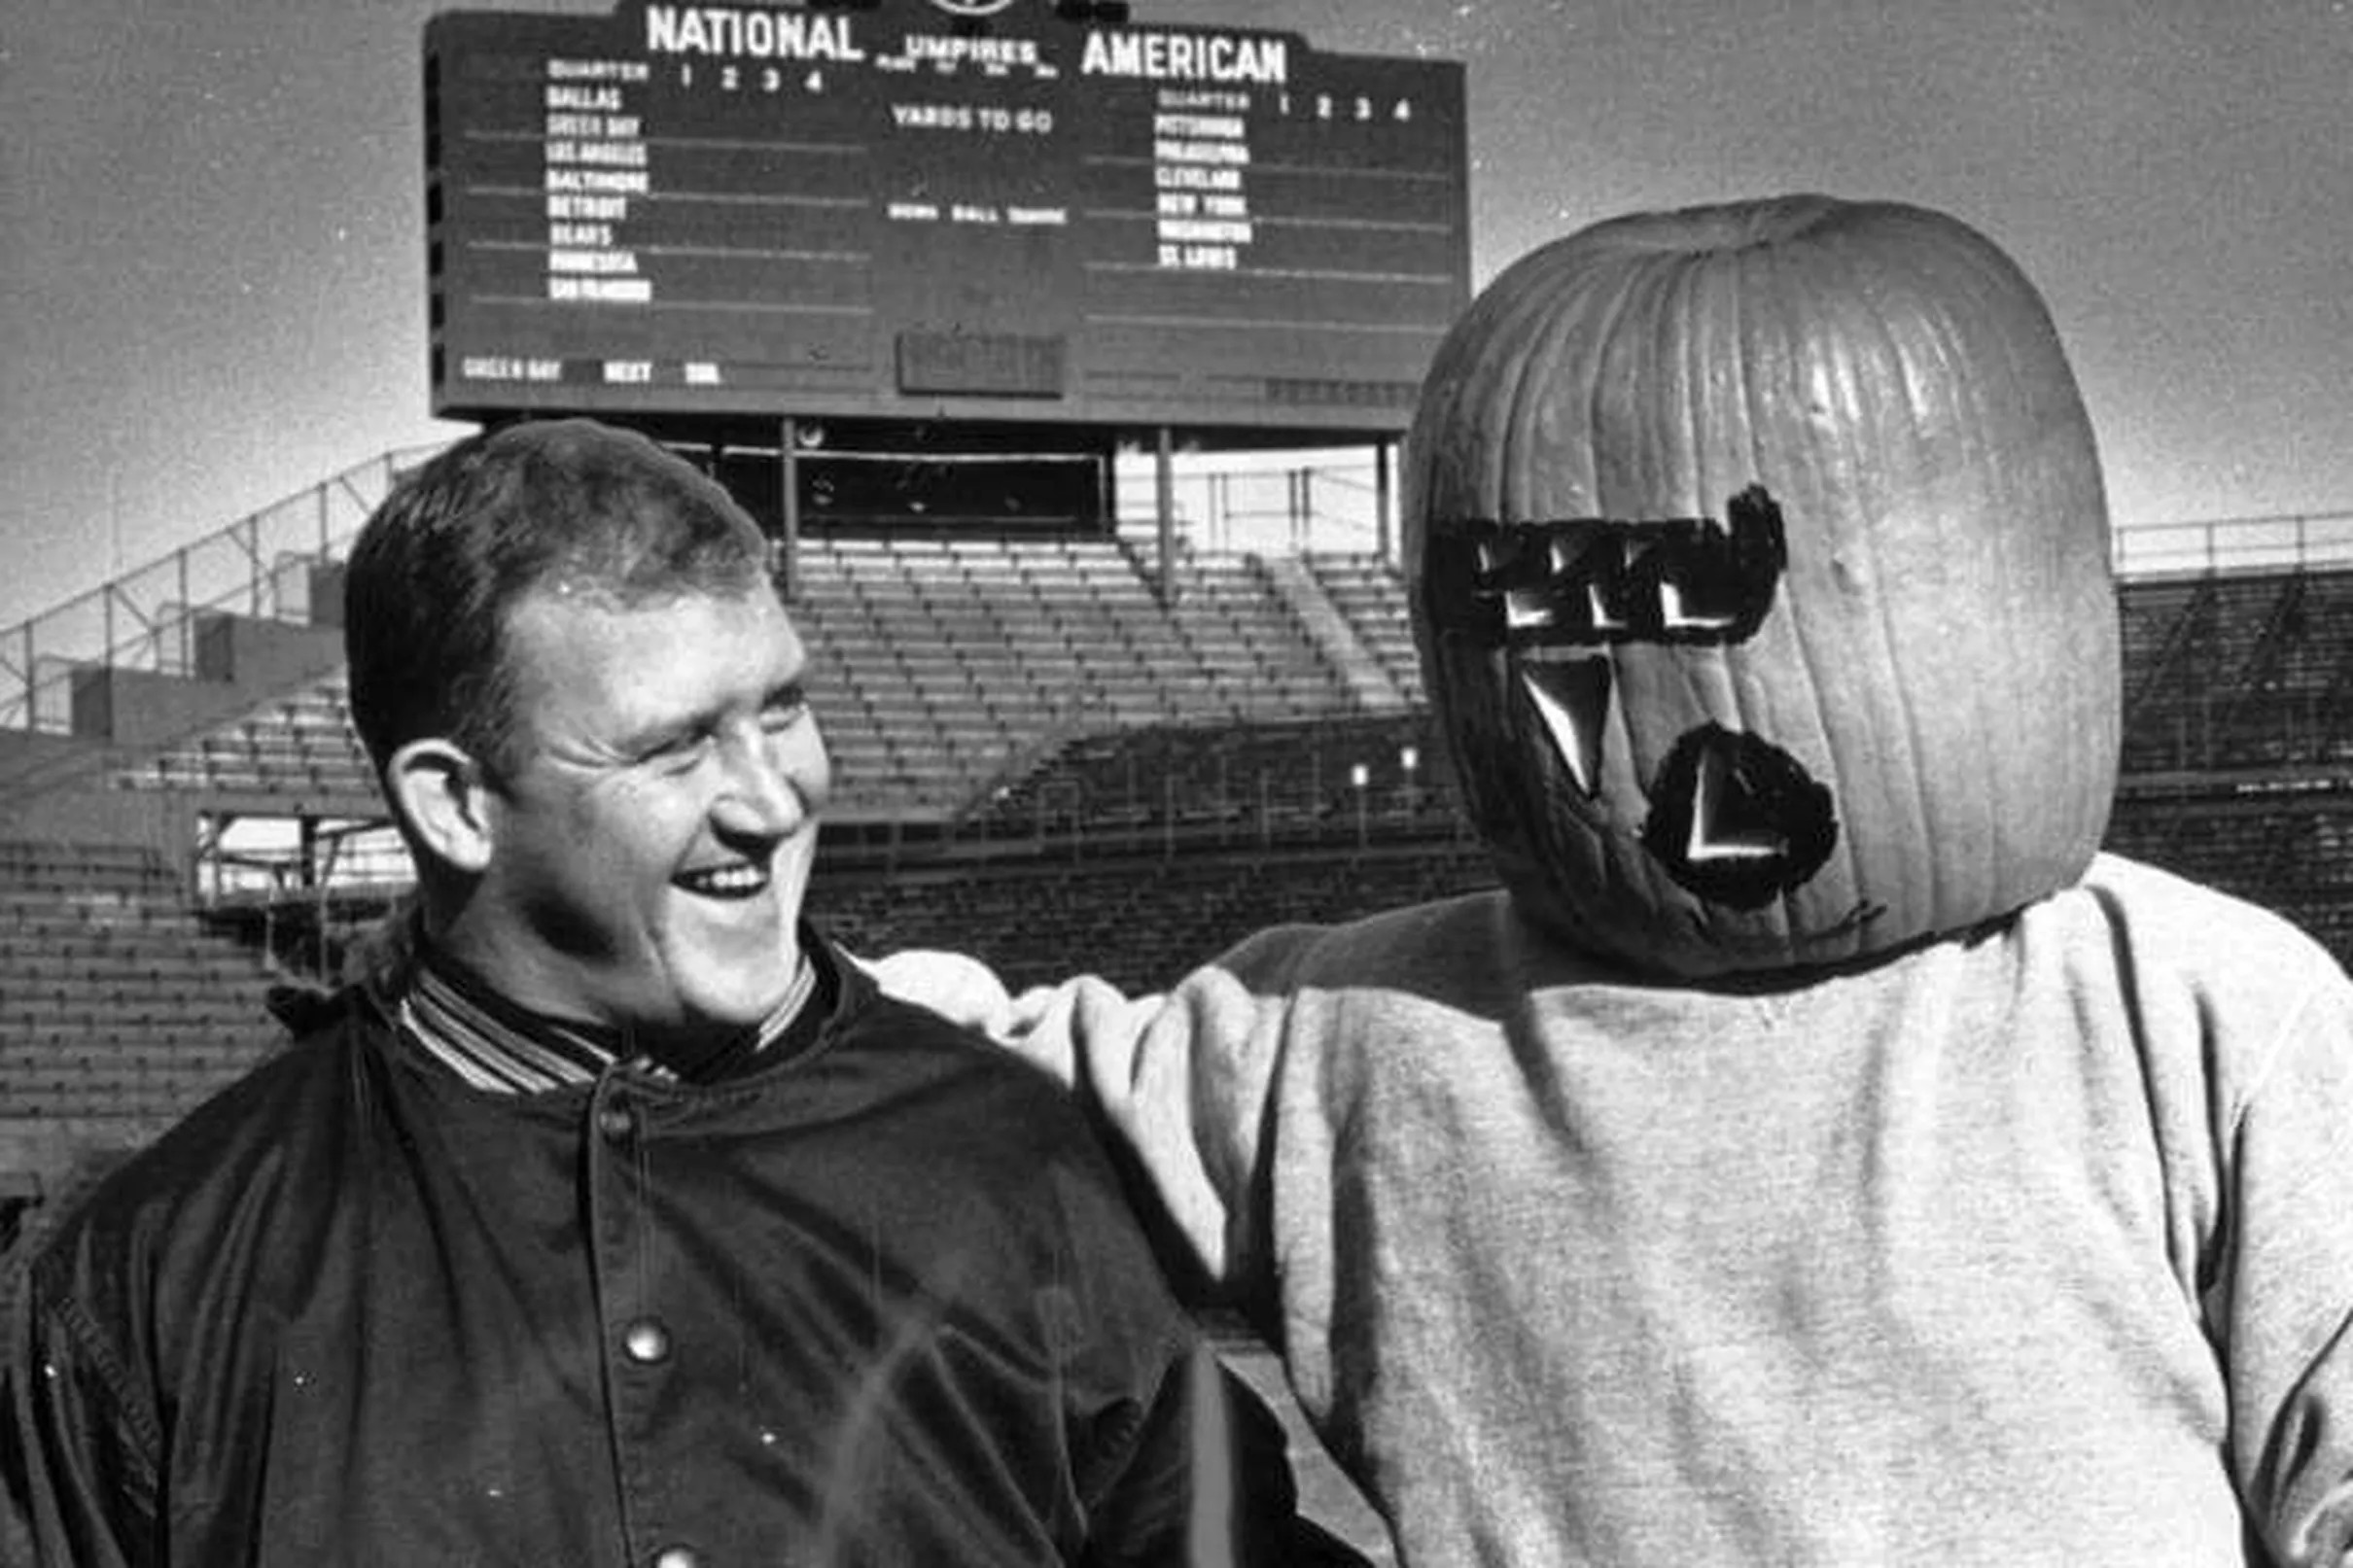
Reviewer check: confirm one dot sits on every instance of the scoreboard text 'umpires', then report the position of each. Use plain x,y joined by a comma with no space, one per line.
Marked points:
937,209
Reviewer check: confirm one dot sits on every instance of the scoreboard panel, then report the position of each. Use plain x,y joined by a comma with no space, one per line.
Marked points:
980,210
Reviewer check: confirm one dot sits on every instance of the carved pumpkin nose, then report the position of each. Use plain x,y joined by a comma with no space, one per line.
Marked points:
1571,699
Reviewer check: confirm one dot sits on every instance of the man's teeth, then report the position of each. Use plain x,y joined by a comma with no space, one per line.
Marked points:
728,881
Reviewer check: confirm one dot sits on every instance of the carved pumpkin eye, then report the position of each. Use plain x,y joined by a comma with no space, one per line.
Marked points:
1591,582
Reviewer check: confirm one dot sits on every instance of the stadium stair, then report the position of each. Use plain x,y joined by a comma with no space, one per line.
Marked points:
1296,583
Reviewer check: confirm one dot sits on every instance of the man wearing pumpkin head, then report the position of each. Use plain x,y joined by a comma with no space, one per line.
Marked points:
1818,1152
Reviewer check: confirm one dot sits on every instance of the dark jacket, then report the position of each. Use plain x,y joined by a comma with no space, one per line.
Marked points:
879,1303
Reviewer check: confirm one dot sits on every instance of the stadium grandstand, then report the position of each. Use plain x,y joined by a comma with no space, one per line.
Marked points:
1050,751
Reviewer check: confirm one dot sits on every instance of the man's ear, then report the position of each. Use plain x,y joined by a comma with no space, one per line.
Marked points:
441,791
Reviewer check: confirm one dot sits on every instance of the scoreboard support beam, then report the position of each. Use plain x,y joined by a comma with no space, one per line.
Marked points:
1163,478
1385,500
788,544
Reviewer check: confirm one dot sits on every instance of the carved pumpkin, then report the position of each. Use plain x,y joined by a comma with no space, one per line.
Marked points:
1759,568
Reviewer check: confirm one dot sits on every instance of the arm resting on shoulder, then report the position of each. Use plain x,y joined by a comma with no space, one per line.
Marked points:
1180,1082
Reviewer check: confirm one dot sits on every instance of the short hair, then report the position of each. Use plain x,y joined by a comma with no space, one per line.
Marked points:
436,572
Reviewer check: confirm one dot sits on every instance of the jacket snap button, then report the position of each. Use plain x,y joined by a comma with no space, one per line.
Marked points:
614,1122
677,1558
646,1340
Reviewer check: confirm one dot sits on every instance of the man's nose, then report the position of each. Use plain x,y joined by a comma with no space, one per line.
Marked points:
761,793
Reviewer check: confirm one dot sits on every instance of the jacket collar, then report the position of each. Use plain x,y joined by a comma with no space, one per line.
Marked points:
495,1045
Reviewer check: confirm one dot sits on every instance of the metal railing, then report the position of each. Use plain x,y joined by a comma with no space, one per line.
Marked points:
1278,508
2277,543
147,619
259,565
263,860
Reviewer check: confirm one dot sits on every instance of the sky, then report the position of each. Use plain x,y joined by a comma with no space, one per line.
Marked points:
212,290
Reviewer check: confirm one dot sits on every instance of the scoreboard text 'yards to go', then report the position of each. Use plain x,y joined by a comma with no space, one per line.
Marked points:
966,209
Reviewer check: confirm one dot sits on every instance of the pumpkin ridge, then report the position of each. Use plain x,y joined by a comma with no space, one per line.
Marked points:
1998,802
1763,711
1710,286
1747,695
1933,794
1604,337
1525,350
1598,338
1797,719
2040,549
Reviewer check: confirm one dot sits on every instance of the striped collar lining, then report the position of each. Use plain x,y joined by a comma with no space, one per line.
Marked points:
496,1046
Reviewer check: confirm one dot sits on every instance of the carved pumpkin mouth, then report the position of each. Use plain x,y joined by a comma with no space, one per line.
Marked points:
1736,820
1733,818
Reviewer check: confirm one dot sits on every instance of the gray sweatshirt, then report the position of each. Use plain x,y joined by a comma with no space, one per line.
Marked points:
2028,1246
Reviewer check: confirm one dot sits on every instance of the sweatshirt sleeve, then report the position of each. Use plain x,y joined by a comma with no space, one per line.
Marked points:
2284,1310
1180,1082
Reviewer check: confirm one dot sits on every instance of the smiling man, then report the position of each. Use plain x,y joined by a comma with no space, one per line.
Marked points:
628,1224
644,864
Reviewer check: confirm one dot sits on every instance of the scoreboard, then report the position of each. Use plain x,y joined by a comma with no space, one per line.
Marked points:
976,210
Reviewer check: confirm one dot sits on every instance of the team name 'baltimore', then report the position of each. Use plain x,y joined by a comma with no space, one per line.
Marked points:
762,35
1186,58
